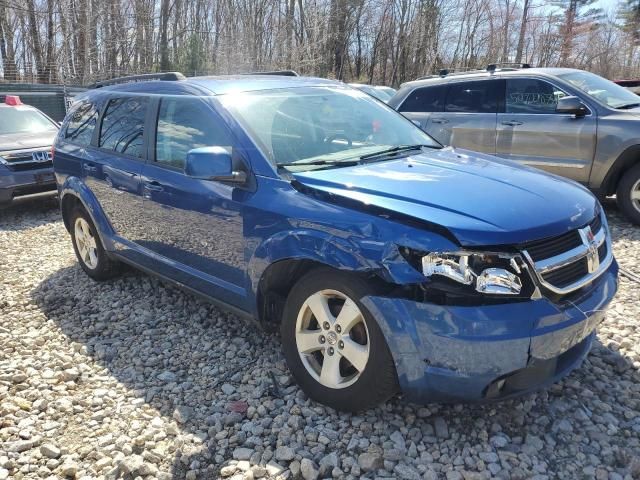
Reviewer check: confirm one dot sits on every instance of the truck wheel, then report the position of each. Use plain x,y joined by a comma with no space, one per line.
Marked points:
628,194
88,247
333,345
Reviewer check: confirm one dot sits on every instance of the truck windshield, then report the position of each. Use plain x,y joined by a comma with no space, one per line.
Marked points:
24,120
321,125
602,89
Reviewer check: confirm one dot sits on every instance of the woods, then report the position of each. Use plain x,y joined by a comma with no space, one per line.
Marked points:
378,41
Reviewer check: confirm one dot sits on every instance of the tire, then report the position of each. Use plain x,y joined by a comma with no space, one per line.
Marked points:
89,250
344,386
628,194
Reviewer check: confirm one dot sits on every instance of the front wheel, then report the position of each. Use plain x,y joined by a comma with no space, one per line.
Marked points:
333,345
628,194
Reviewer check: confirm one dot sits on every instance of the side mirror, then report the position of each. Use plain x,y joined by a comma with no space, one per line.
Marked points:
571,106
212,163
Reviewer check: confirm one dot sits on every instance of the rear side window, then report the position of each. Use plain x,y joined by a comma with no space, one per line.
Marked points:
425,99
82,124
184,124
529,95
473,97
123,126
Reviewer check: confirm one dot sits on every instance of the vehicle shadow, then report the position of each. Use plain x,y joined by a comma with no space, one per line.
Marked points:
219,383
23,214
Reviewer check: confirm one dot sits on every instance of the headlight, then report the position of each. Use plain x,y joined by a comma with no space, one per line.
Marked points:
489,273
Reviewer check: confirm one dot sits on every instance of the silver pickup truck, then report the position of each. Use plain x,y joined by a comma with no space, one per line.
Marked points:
569,122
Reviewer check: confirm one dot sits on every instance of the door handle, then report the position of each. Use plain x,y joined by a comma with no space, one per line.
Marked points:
153,186
90,167
511,123
439,120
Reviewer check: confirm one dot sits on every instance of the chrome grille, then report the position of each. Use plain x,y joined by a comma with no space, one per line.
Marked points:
569,261
30,160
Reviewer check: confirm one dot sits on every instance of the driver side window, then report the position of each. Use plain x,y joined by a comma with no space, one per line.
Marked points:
532,96
185,124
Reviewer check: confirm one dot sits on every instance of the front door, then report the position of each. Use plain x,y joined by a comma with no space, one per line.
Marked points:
194,226
531,132
469,116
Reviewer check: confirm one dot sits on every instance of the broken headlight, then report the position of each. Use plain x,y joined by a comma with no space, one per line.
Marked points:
489,273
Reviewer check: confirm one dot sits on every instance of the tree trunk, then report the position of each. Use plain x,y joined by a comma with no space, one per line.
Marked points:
523,31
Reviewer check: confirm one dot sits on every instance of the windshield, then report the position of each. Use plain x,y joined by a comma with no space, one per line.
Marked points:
601,89
24,120
331,124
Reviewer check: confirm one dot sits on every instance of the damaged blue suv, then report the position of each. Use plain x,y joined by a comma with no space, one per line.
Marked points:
387,262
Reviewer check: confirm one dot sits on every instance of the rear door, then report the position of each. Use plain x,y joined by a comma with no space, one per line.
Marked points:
531,132
469,116
422,103
112,165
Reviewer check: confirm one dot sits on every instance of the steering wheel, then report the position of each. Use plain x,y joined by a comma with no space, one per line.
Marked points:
338,136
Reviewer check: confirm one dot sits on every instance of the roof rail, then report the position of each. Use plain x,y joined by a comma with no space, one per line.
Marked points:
282,73
167,76
492,67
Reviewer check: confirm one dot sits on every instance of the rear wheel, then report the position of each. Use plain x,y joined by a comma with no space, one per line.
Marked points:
88,248
333,345
628,194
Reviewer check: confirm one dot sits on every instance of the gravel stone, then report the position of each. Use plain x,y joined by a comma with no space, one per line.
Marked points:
50,451
369,461
308,469
133,375
441,427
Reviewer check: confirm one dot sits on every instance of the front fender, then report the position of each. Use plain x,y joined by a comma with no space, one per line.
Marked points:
75,187
314,245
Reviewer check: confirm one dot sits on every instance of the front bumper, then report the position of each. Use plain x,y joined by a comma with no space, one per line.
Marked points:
483,353
14,184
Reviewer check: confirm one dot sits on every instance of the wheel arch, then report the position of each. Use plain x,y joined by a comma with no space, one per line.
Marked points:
626,160
75,193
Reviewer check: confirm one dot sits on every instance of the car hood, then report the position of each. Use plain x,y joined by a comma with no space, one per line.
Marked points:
24,141
480,199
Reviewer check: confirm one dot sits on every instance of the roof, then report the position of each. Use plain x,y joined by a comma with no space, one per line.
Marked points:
220,85
480,74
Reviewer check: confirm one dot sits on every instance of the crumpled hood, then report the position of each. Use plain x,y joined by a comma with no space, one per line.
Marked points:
24,141
480,199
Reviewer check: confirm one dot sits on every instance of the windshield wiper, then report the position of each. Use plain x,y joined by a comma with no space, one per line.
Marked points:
628,106
389,151
346,163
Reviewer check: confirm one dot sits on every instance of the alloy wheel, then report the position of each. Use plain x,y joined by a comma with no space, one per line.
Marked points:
635,195
86,243
332,339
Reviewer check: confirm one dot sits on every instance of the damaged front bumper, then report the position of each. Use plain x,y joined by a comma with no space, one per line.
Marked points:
489,352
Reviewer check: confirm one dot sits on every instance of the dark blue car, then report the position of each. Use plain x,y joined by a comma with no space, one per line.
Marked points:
26,136
388,263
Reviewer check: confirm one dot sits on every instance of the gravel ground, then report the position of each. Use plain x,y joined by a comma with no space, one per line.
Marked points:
135,379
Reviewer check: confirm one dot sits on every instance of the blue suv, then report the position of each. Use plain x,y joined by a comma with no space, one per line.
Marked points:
388,263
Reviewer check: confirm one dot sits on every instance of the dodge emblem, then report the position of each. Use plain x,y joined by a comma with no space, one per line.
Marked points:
589,240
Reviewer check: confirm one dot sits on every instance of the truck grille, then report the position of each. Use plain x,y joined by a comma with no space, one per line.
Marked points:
569,261
30,160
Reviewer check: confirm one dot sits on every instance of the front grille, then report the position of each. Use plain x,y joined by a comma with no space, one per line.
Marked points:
567,275
563,263
32,160
550,247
